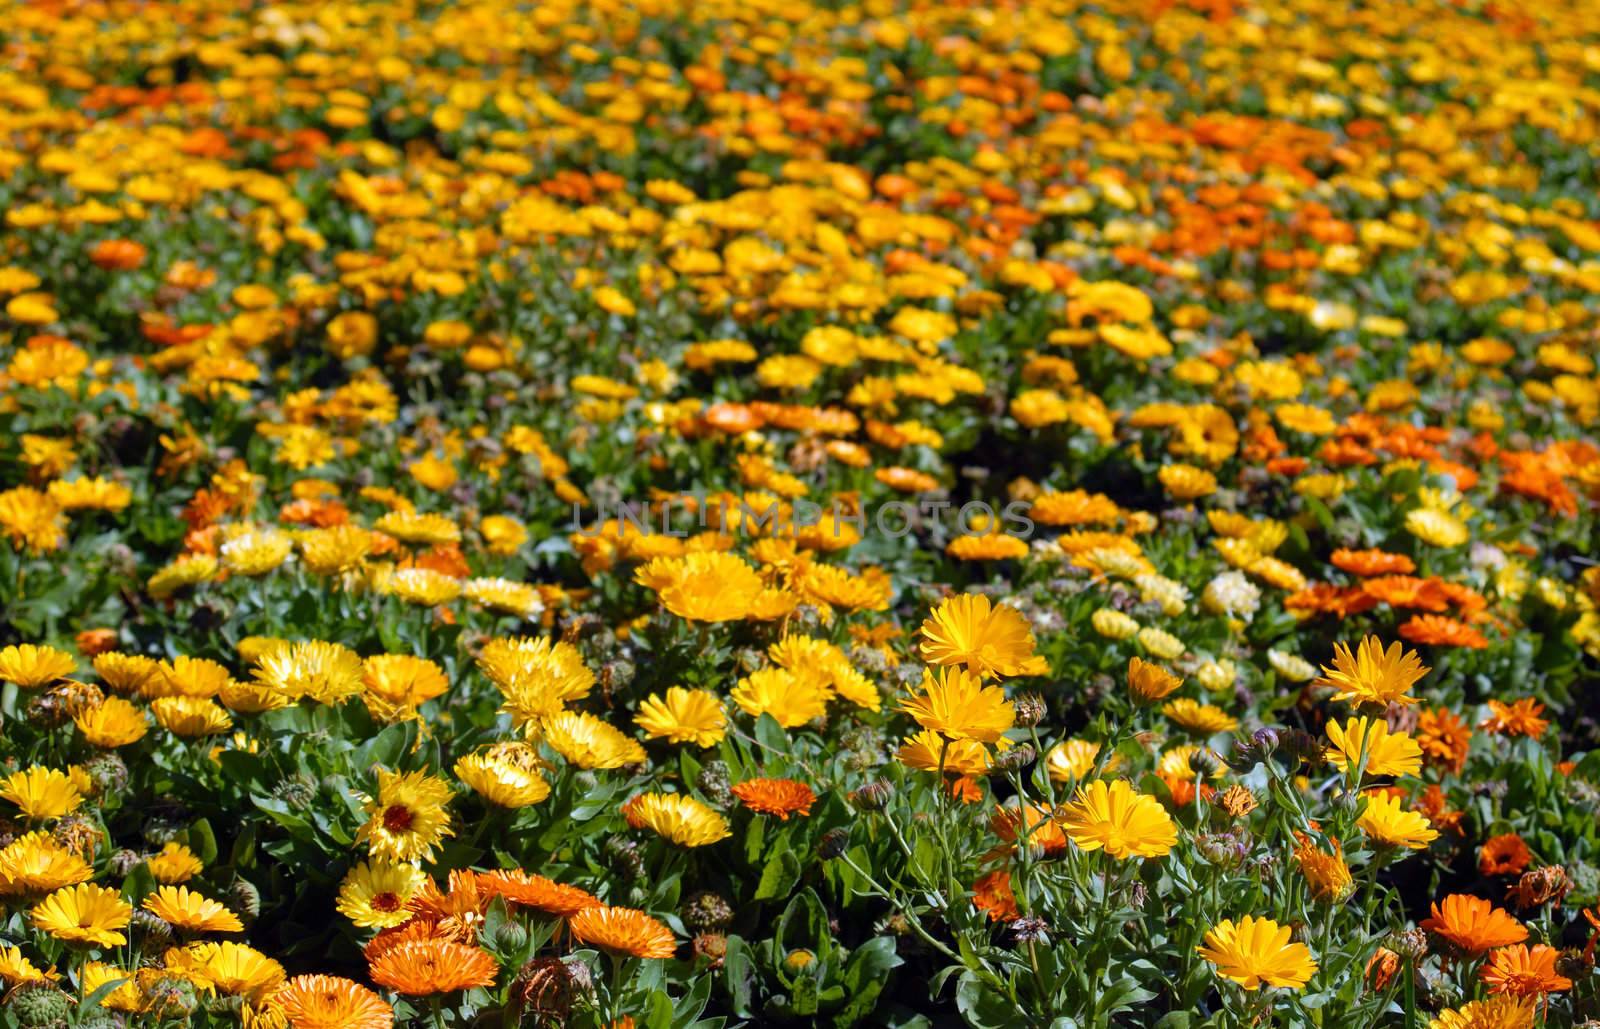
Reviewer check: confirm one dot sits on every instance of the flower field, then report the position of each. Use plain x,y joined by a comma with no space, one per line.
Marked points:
713,513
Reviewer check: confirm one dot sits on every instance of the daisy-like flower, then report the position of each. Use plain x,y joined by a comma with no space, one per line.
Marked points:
1385,752
781,797
375,894
1122,822
677,817
1519,718
175,864
957,706
84,914
41,793
1150,682
183,909
420,968
31,666
407,818
329,1002
925,751
590,742
683,716
1502,1012
35,863
114,722
1505,854
397,684
792,700
1384,821
1523,971
15,968
989,640
622,931
1256,952
234,969
1373,675
502,781
1071,760
1200,719
322,671
1472,926
1326,873
537,892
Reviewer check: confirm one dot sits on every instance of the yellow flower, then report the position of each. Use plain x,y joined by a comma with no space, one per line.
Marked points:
234,969
114,722
85,914
1186,482
1150,682
791,699
407,819
32,519
191,716
590,742
31,666
1326,874
1503,1011
1385,822
36,863
1437,528
1115,818
1071,760
989,640
189,911
683,716
14,968
1385,753
1373,675
321,671
677,817
41,793
398,684
375,894
175,864
1256,952
1196,717
503,782
1113,624
704,587
957,706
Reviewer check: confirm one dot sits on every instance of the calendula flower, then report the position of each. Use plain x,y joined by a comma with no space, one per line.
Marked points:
989,640
375,894
1503,1012
84,914
1198,718
1505,854
677,817
1523,971
1256,952
1150,682
957,706
1385,822
590,742
329,1002
175,864
1472,925
191,716
189,911
35,863
407,818
537,892
1326,873
424,967
781,797
502,782
1373,675
1115,818
41,793
234,969
622,931
1368,743
683,716
114,722
31,666
792,700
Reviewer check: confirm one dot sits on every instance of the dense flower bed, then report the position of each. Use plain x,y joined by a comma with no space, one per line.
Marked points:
705,513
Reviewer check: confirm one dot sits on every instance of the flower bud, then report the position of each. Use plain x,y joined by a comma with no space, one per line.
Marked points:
833,843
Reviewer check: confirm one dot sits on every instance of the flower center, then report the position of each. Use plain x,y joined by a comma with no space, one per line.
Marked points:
397,818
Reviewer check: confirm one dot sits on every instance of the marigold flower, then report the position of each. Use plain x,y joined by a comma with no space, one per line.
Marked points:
1472,925
1256,951
623,931
1115,818
781,797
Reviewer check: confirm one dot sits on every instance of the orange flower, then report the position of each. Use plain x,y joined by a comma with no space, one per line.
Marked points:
1472,925
535,891
1440,631
1325,598
623,931
1524,971
781,797
1503,855
1435,807
328,1002
1407,591
1149,682
992,895
422,967
1444,737
1371,562
1517,719
117,255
